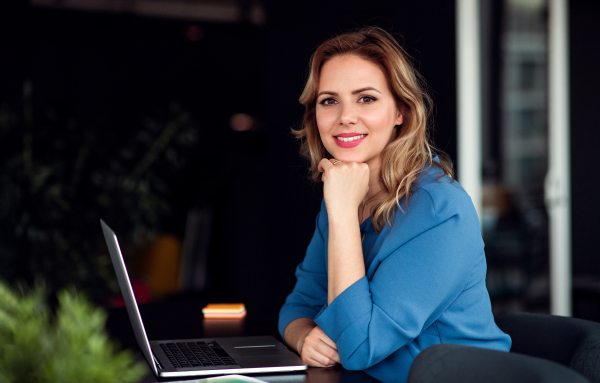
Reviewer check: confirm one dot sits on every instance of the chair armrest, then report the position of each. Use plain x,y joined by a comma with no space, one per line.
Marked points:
451,363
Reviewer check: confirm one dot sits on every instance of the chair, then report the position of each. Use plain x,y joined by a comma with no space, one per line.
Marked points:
572,342
452,363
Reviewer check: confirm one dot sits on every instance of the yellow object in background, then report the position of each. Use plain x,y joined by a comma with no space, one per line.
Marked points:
162,265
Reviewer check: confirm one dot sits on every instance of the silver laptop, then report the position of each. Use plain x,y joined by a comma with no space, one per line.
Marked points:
194,357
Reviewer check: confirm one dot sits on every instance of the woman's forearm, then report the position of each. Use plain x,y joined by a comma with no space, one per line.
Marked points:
345,186
345,258
296,332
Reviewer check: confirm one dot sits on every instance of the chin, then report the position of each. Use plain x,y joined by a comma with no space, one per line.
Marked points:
348,158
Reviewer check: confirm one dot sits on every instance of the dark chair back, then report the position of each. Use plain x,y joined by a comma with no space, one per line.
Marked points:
451,363
572,342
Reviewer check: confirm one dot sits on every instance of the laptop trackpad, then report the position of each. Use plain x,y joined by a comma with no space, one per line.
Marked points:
257,350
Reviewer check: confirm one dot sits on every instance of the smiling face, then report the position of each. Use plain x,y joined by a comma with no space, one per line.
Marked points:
356,111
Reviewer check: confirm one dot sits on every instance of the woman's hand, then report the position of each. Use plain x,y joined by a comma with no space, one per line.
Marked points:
318,350
315,348
345,185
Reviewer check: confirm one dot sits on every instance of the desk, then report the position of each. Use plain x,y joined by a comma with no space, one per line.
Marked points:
182,318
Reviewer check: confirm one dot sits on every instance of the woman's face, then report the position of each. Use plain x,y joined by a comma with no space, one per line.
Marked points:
356,111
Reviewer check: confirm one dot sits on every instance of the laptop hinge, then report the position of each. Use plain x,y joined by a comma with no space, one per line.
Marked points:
160,367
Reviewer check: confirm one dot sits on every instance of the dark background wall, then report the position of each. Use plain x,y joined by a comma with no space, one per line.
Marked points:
585,135
110,71
289,202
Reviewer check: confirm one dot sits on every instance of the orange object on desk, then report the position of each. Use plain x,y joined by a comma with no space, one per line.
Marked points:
224,308
224,311
225,316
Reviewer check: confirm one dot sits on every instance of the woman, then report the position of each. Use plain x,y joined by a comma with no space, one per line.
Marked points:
396,263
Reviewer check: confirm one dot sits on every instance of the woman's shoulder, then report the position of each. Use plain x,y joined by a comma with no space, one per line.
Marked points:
438,202
436,198
441,187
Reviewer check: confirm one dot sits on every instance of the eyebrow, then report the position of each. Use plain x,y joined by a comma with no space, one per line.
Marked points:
353,92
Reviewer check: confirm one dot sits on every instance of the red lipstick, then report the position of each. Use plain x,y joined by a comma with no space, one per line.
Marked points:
349,140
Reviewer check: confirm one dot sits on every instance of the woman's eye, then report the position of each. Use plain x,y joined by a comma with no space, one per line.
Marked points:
367,99
328,101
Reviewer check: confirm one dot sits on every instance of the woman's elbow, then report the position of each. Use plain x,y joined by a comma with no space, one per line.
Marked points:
353,365
357,361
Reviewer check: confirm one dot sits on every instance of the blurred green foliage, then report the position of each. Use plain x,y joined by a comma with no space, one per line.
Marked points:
58,178
70,346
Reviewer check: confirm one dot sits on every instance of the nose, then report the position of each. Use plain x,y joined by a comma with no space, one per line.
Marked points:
348,115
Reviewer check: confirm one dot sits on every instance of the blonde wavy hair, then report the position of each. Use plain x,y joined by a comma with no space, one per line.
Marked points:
410,153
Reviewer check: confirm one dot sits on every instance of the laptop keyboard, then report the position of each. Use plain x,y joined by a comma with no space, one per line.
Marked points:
196,354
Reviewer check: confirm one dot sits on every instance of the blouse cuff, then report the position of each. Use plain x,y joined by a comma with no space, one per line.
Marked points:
347,308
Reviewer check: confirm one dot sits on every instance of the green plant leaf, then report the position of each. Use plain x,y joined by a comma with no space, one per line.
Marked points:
71,346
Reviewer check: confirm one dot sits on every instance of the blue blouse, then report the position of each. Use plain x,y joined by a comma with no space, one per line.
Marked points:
424,284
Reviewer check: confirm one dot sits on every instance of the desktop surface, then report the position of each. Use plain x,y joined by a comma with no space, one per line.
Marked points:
311,375
182,319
